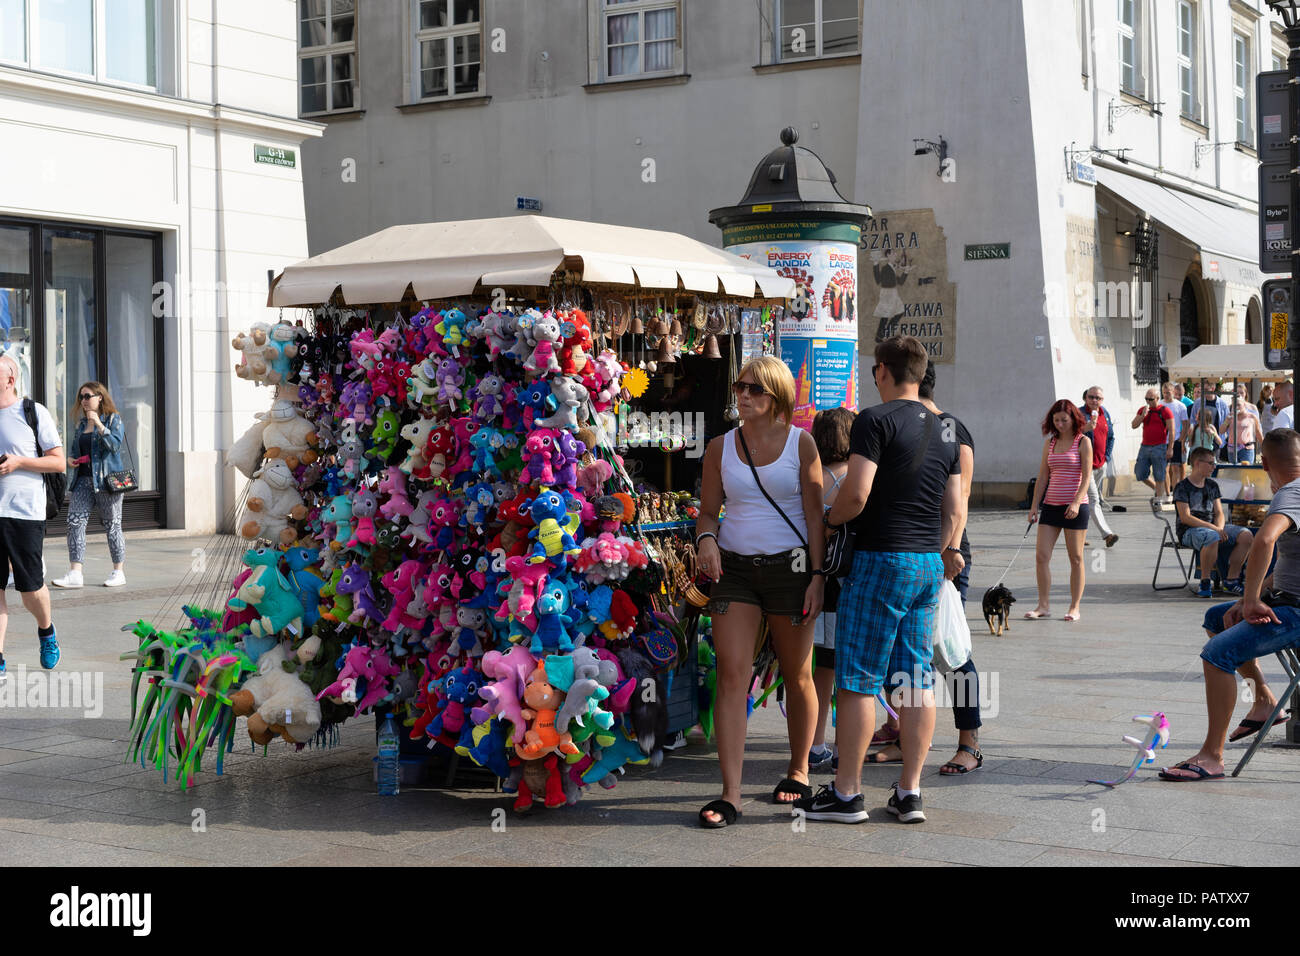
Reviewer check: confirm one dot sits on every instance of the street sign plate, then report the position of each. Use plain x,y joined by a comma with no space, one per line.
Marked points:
1280,335
1274,217
1272,117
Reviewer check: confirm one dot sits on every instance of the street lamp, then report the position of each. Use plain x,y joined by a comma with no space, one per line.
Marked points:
1289,11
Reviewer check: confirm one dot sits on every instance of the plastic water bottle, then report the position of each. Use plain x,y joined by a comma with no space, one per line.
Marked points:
389,767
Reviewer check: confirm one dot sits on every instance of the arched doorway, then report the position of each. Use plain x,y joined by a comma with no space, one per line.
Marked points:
1254,323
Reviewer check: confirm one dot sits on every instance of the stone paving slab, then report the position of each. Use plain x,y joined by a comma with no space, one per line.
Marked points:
1065,694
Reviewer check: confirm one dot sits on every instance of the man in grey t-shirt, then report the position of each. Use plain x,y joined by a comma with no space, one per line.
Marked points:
1250,628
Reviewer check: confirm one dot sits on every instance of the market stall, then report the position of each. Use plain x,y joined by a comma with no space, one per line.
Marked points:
469,504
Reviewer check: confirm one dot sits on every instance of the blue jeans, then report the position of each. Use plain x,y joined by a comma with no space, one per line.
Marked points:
1199,537
1151,458
1245,456
1234,646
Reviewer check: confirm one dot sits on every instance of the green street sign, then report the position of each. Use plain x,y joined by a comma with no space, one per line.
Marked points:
988,250
274,155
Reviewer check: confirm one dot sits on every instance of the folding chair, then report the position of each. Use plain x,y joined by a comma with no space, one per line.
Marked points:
1291,664
1169,539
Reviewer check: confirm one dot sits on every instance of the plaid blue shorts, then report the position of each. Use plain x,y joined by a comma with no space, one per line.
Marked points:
884,629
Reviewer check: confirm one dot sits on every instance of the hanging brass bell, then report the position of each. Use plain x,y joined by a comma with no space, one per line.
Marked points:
636,327
711,349
675,329
665,354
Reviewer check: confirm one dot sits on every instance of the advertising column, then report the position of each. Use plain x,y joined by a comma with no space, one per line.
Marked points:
819,333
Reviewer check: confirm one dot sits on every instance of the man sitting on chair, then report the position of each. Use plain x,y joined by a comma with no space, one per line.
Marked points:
1249,628
1201,524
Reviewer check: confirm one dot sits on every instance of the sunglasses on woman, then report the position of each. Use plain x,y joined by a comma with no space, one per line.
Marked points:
755,390
87,396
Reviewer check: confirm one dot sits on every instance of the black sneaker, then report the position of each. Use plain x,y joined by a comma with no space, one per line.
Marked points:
908,809
827,805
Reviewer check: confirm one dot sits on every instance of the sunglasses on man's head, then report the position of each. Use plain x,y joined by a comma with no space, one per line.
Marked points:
755,390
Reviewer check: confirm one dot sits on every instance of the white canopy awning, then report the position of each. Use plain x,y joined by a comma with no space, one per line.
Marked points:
1219,231
1225,361
444,259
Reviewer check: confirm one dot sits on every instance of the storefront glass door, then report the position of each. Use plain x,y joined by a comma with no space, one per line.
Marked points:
132,361
70,327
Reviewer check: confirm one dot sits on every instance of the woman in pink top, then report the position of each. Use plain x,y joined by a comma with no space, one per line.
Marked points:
1062,489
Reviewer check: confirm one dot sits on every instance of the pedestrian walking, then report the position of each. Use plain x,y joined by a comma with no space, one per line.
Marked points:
1175,470
1156,422
902,498
1062,488
22,507
100,434
1100,430
770,477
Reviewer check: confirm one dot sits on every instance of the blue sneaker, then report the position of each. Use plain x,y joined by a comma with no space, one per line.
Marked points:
50,652
4,672
1204,591
1235,587
820,762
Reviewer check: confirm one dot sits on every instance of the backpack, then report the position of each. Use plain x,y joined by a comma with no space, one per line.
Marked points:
56,482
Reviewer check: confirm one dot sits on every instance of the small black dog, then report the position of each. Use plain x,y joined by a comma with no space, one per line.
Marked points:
997,605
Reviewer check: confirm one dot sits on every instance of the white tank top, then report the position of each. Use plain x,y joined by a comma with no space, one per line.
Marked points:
752,525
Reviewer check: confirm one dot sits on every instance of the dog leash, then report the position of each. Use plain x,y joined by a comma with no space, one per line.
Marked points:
1017,554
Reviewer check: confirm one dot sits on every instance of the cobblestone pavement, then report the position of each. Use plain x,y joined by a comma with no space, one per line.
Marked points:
1060,697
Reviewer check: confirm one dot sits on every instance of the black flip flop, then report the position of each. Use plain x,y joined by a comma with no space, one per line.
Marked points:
801,790
1248,727
955,769
723,809
1201,773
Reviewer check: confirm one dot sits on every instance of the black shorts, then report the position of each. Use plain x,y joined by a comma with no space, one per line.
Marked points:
21,544
767,580
1054,517
1177,457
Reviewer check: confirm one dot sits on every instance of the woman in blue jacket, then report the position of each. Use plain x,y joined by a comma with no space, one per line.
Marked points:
96,450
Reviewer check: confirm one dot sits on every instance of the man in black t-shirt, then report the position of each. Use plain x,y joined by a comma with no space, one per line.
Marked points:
902,496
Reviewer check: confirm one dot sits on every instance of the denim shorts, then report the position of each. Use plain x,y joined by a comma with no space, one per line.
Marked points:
1200,537
1243,642
1151,458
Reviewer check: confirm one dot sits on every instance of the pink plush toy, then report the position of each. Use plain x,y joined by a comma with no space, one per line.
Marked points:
398,504
609,558
364,506
363,661
508,673
539,454
401,582
527,581
365,351
592,477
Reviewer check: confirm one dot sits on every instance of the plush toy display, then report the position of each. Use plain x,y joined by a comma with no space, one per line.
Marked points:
450,538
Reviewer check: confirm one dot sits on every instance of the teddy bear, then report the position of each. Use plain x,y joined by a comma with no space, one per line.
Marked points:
276,701
273,501
542,702
288,435
256,353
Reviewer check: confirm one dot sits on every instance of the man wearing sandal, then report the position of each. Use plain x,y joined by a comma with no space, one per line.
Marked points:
1263,622
903,496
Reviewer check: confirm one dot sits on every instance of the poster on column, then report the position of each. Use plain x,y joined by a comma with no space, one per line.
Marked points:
819,332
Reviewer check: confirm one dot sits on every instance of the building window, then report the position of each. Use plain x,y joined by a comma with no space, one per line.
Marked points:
327,56
448,52
1132,71
111,41
1279,60
808,29
640,38
1188,61
1241,83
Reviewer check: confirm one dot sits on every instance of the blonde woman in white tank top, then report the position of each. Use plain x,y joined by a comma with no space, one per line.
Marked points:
760,569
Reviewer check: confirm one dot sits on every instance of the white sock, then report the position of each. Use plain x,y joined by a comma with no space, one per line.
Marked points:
907,793
837,793
821,749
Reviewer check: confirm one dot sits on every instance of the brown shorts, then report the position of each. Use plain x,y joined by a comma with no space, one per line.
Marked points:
769,581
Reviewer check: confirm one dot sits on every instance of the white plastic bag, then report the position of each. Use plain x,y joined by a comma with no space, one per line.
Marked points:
951,632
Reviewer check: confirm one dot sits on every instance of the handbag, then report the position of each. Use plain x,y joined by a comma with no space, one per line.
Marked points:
56,482
122,481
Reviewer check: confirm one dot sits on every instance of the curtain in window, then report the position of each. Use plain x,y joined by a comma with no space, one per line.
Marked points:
621,36
660,35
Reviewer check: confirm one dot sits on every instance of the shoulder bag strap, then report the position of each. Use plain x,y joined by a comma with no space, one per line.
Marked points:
29,412
126,440
750,461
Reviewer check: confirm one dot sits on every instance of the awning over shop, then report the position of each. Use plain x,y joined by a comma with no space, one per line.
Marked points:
1224,361
443,259
1227,237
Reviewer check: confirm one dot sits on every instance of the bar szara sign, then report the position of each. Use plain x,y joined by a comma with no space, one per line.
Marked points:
903,275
